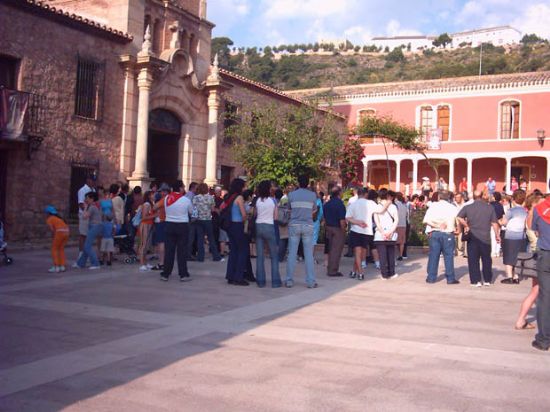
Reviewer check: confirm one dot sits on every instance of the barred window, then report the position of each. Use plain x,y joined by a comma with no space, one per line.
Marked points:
509,120
426,116
89,85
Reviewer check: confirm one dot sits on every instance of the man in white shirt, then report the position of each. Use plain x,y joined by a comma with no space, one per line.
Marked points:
357,216
82,221
441,220
178,208
351,201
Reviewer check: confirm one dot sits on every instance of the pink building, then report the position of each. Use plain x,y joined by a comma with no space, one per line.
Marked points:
478,127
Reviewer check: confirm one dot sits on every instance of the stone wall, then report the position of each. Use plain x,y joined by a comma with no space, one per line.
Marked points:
48,51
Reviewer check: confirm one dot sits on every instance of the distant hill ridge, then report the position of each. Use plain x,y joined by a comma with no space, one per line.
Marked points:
313,71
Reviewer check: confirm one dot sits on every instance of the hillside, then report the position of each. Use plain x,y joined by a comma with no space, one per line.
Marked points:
308,71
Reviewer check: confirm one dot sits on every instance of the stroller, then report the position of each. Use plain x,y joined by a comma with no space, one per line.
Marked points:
4,246
125,246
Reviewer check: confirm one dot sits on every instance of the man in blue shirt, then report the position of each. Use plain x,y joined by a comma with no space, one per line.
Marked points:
541,225
335,224
302,207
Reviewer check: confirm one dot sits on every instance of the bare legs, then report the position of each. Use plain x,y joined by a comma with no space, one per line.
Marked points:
526,305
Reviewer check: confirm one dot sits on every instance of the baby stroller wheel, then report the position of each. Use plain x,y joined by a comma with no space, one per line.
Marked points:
128,260
8,260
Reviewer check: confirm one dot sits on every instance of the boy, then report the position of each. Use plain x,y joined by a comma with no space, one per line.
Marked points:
107,241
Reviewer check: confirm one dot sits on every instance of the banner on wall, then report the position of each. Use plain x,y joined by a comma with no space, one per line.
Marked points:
13,109
434,142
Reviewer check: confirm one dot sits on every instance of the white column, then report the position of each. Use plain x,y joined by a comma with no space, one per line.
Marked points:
547,181
508,174
129,119
469,175
415,176
365,172
452,175
212,143
398,175
145,80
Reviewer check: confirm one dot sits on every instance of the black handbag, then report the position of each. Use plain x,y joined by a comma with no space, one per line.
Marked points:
526,264
466,236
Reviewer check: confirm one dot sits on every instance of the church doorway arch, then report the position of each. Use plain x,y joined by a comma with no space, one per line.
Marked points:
163,146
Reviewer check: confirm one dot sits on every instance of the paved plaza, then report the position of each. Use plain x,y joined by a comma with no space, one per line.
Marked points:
120,340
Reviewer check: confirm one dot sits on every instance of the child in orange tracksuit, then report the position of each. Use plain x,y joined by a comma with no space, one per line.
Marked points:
60,232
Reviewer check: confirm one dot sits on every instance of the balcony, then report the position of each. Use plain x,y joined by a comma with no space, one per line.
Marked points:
22,119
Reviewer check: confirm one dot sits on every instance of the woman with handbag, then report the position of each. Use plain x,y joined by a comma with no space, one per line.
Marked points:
385,237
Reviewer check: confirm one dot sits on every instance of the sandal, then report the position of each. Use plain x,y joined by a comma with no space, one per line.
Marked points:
525,326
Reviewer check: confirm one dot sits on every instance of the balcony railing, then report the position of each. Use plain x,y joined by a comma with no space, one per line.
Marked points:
22,117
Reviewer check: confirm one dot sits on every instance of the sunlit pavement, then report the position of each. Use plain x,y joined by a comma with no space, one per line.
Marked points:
120,340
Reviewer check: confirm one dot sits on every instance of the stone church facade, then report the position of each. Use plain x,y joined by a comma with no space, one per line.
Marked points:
123,89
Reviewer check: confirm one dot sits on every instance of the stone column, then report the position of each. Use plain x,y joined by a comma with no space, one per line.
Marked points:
129,117
398,175
508,174
452,175
212,142
415,176
145,80
469,175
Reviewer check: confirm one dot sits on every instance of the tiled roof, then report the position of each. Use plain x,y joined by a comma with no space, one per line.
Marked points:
419,87
265,88
70,18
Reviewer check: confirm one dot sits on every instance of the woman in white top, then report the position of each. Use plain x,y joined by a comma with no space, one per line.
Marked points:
265,211
385,237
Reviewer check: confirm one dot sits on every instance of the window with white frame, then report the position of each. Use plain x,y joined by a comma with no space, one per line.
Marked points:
426,121
509,119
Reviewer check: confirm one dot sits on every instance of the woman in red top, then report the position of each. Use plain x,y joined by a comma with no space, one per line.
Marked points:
60,232
145,228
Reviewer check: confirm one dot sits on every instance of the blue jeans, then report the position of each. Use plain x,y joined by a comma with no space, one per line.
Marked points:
441,242
295,233
205,226
94,231
238,252
266,232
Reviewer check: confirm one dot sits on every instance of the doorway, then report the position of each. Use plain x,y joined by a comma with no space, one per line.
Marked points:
163,146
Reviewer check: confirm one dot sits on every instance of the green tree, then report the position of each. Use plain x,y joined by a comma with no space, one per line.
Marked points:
442,40
395,56
400,135
349,161
277,144
220,46
532,39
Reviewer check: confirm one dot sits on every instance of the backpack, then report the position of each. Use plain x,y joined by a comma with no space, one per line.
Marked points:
136,220
225,213
283,214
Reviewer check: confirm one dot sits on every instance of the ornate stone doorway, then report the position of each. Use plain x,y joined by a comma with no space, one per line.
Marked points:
163,146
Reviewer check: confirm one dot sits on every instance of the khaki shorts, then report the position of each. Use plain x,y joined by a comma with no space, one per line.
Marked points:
83,226
107,245
401,235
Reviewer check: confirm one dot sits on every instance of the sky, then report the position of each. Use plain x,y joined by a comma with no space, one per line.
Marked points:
274,22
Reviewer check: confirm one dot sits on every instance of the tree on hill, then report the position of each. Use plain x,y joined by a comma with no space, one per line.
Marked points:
442,40
220,46
275,144
395,56
532,39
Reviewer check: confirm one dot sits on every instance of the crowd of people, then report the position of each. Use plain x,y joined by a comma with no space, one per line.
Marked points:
172,223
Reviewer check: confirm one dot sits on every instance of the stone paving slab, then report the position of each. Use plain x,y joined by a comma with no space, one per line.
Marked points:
120,340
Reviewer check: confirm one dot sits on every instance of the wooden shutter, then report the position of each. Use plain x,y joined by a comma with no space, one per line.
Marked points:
443,121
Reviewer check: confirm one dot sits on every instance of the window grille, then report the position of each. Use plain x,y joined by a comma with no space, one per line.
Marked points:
426,114
89,86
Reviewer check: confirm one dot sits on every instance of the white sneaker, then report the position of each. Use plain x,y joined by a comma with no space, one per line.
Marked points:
53,269
486,283
144,268
75,265
394,276
377,265
149,267
94,267
363,265
476,285
61,268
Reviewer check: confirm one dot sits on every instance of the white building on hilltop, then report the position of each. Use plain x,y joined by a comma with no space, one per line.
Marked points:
416,42
497,36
